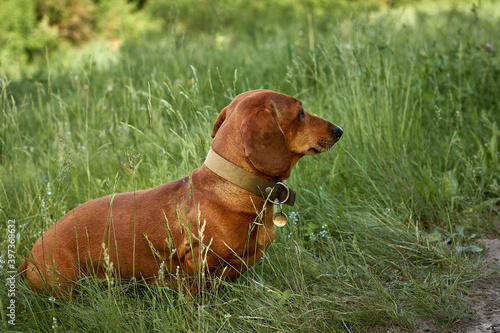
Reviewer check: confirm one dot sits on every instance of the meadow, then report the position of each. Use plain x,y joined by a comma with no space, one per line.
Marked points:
383,231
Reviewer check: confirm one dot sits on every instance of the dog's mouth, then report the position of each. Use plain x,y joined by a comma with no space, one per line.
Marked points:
314,151
321,147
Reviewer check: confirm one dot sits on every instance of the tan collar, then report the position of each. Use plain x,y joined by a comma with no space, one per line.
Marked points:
277,192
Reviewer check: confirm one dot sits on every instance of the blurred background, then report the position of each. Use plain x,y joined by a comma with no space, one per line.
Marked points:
31,28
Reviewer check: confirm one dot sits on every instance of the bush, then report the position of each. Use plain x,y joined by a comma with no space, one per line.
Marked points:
32,27
23,33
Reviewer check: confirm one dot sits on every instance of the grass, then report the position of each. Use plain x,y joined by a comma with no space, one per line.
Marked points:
382,232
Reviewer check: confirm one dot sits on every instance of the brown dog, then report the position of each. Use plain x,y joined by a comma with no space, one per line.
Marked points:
217,222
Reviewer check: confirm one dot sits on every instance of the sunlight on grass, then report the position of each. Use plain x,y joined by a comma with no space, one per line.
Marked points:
382,234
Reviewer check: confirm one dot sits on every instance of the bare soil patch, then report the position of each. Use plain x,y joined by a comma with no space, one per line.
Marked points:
485,294
483,298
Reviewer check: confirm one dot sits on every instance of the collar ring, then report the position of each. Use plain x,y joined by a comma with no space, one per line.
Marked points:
277,201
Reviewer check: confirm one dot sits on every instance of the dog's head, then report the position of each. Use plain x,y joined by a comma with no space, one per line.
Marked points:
274,131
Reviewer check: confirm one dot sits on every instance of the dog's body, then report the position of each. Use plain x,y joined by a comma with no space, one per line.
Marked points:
201,223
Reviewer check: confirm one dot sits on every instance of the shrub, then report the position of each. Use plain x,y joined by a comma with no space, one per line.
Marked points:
23,33
32,27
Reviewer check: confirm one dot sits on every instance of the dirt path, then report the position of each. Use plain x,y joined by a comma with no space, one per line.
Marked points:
485,295
483,300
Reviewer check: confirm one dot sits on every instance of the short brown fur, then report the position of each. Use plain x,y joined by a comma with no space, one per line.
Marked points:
262,132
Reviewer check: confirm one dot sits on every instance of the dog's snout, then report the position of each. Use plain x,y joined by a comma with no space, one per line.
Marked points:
338,132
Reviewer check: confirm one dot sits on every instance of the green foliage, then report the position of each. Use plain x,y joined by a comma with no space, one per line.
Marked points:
23,35
31,27
382,232
251,17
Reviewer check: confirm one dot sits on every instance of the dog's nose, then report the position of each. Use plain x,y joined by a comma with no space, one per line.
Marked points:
338,132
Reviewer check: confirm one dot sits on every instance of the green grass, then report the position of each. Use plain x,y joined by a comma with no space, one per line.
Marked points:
381,234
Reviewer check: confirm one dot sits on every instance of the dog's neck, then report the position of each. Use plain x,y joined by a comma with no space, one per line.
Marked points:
276,192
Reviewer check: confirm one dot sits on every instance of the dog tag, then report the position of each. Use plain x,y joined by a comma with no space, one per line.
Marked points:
280,219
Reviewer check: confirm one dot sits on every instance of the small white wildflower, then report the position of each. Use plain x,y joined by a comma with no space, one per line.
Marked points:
161,271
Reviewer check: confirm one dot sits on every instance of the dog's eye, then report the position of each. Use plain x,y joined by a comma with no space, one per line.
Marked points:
302,114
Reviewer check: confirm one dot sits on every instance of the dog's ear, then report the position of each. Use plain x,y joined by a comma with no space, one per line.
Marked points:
265,143
219,121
